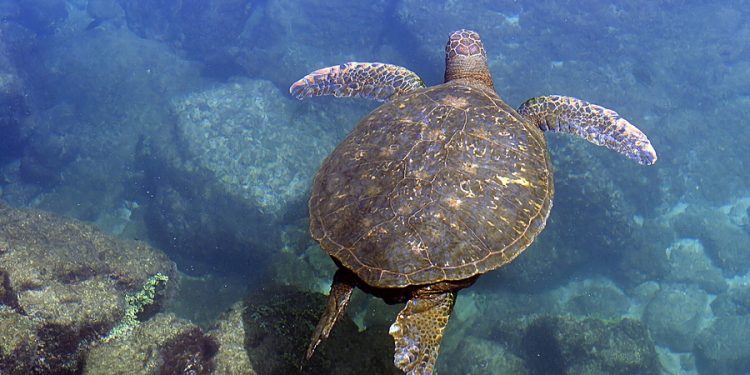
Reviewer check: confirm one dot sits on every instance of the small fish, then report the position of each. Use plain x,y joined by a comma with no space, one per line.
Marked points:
93,24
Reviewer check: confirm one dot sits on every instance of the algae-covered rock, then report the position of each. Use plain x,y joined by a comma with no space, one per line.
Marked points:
736,301
476,356
240,153
163,344
674,315
596,299
725,242
66,283
558,345
723,347
297,42
279,323
15,109
688,263
243,133
203,28
229,333
18,342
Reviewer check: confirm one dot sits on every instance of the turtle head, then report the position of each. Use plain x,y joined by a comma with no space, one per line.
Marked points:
466,59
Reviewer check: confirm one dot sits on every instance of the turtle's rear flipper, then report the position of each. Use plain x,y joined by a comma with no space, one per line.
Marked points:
598,125
341,292
418,330
367,80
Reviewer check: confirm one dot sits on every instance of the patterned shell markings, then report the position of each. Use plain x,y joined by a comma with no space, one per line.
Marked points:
440,184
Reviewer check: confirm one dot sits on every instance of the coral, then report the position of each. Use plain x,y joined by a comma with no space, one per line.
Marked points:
136,304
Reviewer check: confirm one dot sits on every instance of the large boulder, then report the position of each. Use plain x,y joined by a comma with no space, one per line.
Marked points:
284,40
725,242
89,117
477,356
63,288
557,345
42,16
202,28
279,322
229,331
735,301
723,347
15,110
163,345
674,315
594,298
244,134
688,263
234,170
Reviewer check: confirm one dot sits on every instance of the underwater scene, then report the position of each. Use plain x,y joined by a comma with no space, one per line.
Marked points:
366,187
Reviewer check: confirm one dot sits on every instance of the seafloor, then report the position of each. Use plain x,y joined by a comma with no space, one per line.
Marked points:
154,177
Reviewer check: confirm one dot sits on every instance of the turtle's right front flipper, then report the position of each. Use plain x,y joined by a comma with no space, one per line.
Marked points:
367,80
418,331
596,124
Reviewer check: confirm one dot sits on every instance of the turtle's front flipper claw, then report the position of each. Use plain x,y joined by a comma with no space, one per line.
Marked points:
418,330
596,124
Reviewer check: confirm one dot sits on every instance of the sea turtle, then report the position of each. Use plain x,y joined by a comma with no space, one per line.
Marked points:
437,186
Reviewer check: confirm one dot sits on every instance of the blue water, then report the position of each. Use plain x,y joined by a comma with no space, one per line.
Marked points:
170,122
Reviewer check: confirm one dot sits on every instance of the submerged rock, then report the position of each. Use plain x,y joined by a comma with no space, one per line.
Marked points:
279,323
736,301
14,106
229,331
557,345
244,134
476,356
203,28
596,299
236,168
725,242
674,315
163,345
723,347
688,263
64,286
297,39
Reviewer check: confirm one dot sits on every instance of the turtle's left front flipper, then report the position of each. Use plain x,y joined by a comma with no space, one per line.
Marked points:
367,80
598,125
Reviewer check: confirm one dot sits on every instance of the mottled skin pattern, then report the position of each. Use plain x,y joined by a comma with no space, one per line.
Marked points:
368,80
466,59
438,186
596,124
421,316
